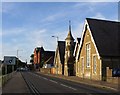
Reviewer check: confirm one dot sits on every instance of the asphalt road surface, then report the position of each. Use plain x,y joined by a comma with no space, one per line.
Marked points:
39,83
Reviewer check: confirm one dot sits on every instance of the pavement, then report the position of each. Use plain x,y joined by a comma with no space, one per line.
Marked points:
15,85
94,83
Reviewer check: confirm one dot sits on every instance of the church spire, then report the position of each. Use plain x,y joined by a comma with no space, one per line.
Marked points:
69,36
69,26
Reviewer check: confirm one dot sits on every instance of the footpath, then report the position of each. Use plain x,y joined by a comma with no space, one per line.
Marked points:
94,83
16,85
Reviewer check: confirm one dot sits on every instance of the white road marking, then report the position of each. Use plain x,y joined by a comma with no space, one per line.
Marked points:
45,78
53,81
72,88
68,86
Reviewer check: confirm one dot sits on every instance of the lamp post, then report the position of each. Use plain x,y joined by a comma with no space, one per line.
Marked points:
55,55
56,37
18,56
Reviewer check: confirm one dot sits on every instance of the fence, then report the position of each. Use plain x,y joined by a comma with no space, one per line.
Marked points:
6,72
47,70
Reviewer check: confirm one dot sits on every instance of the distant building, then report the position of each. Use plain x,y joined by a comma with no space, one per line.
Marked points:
99,50
0,61
42,58
10,60
37,60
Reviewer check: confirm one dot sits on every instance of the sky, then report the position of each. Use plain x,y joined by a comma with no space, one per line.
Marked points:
27,25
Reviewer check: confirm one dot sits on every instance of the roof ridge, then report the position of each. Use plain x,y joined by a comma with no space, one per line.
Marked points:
105,20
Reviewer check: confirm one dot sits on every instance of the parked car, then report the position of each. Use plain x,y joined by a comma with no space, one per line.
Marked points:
22,69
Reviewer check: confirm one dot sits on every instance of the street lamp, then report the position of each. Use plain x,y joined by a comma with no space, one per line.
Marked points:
18,56
55,55
56,37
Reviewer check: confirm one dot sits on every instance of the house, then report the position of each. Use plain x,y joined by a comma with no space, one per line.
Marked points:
43,58
38,56
59,57
99,50
75,54
68,57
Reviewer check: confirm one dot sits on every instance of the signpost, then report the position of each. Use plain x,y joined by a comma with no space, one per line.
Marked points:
10,60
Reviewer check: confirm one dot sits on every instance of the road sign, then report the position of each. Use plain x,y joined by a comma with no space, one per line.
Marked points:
10,60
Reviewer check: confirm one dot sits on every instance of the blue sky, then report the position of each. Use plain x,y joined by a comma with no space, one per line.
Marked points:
26,25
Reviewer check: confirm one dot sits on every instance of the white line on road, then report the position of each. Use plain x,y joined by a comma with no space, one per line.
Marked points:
68,86
45,78
53,81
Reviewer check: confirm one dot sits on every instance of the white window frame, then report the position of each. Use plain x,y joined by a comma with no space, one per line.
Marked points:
88,65
94,64
82,65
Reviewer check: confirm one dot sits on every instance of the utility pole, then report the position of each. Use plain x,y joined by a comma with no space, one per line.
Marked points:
18,57
55,55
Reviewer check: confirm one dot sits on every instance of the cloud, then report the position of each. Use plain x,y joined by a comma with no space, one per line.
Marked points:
13,31
78,30
53,17
27,41
99,16
0,34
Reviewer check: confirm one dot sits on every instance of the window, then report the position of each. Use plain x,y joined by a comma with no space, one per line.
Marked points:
88,55
82,67
94,64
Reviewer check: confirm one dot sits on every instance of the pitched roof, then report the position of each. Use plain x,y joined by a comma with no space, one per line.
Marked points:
49,56
37,49
78,40
106,36
77,46
61,47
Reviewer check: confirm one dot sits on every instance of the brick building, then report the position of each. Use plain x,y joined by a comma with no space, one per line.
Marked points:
42,57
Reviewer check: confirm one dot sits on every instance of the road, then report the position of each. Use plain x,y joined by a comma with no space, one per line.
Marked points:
40,83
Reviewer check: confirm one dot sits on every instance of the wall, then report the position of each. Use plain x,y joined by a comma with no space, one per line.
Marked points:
87,72
47,70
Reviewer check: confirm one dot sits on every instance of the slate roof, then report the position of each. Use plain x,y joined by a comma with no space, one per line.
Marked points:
47,55
78,39
106,36
37,49
77,46
61,47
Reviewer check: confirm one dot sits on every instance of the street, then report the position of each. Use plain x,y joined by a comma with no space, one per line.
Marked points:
39,83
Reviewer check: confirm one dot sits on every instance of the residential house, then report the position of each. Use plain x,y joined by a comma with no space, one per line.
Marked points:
99,50
59,57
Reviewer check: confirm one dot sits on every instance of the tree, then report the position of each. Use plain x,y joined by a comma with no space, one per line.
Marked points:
32,58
